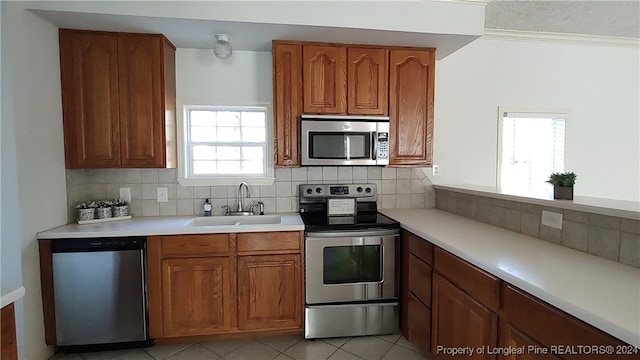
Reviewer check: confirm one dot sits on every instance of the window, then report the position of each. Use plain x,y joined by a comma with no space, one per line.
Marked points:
224,145
530,148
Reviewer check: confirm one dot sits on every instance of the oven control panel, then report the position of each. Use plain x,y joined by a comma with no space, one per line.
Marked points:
358,191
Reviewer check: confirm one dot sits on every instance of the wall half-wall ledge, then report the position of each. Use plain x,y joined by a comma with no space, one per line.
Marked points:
12,297
609,207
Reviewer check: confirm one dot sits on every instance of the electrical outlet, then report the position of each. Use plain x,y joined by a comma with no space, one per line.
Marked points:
163,194
125,194
552,219
435,170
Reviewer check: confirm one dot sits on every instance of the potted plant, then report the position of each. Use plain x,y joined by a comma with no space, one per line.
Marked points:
562,185
104,209
86,210
120,208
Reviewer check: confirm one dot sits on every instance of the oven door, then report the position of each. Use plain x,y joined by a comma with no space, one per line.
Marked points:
345,266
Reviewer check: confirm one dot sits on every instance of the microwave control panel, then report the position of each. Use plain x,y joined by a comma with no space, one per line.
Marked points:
383,145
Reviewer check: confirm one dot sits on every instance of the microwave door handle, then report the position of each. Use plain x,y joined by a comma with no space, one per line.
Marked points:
374,140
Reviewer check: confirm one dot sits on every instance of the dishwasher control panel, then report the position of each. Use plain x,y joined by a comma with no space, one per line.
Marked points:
98,244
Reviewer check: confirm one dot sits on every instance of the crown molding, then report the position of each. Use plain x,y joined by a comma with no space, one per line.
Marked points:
523,35
469,2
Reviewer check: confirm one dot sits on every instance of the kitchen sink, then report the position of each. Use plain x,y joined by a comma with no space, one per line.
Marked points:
259,219
235,220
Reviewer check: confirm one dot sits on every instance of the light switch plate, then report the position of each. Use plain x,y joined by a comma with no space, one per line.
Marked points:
125,194
163,194
435,170
552,219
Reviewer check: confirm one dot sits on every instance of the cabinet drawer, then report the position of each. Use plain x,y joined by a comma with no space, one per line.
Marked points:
475,282
195,245
420,279
550,326
288,241
420,248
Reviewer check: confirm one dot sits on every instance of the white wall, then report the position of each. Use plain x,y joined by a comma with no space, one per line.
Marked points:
33,48
10,264
244,79
599,85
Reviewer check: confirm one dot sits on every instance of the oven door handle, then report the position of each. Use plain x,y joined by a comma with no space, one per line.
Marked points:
352,233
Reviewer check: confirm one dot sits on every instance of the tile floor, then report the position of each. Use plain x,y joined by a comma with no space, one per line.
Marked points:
387,347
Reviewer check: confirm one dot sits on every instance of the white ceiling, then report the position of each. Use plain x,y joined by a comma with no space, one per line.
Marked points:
252,25
610,18
604,18
198,34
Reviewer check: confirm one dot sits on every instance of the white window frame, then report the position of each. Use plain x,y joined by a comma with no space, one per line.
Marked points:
535,112
218,180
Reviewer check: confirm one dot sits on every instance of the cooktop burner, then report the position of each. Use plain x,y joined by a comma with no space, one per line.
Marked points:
313,208
317,222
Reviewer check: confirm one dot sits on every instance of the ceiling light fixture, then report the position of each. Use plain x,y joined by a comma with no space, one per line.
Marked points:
222,48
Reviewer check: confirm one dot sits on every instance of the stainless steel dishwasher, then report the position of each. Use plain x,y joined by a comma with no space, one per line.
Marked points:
100,292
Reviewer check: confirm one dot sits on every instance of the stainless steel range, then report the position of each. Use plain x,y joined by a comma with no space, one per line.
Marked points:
351,262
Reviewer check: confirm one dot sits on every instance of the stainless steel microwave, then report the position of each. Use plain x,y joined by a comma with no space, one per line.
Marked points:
330,140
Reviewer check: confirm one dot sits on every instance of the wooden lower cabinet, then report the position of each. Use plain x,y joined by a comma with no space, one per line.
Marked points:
196,299
224,284
269,294
459,321
8,339
418,324
512,338
565,336
470,308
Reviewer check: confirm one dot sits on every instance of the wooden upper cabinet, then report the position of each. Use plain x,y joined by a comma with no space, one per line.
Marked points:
141,110
325,79
411,94
90,98
118,98
368,81
287,102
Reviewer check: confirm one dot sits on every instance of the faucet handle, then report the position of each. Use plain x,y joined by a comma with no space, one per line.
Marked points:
227,210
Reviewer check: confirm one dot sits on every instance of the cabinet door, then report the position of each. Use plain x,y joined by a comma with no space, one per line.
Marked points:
419,323
287,103
269,292
411,86
460,321
368,81
140,66
511,337
196,296
325,79
89,78
8,338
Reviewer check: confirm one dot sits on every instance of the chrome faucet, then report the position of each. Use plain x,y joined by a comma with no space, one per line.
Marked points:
246,187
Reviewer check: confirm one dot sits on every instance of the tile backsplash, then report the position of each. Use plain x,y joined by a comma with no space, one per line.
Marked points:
397,188
610,237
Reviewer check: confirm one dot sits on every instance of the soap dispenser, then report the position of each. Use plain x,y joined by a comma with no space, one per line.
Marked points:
207,207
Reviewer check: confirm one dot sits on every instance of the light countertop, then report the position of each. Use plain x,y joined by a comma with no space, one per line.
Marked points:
12,297
603,293
611,207
164,225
